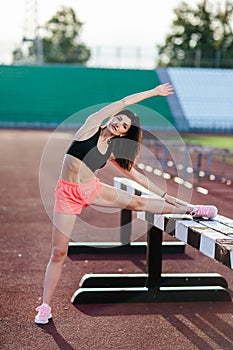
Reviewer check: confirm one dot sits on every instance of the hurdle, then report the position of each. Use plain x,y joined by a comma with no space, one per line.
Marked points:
125,245
214,238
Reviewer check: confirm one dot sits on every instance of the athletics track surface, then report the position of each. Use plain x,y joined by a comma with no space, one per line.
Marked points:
25,248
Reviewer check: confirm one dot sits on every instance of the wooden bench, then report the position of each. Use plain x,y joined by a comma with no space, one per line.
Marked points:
213,238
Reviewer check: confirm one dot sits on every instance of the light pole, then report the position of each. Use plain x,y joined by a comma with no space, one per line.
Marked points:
39,48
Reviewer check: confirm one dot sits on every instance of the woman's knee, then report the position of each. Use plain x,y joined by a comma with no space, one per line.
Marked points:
58,255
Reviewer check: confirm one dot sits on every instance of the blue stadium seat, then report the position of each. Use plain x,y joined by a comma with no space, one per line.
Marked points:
205,96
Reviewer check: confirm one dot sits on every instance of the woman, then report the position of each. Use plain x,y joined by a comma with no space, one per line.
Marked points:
118,140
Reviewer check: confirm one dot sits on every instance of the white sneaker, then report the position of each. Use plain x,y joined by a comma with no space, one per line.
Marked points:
44,314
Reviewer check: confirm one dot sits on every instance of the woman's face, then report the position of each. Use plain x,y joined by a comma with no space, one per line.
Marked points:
119,125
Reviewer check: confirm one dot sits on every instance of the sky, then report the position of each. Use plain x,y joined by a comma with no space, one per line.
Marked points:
106,23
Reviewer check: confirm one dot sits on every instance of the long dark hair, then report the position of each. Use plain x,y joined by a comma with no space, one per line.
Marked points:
126,148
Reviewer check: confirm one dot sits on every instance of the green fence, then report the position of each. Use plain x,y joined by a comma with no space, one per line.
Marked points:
47,95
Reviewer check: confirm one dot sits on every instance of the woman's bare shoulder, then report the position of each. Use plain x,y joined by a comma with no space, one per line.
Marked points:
85,132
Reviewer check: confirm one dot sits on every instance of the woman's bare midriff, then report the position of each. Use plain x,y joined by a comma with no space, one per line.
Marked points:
74,170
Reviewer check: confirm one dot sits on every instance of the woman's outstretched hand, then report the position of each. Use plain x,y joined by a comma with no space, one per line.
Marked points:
164,90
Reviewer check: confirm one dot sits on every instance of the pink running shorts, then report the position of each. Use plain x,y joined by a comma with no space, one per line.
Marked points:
71,198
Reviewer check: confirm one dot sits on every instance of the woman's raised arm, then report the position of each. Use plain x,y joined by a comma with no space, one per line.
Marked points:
96,119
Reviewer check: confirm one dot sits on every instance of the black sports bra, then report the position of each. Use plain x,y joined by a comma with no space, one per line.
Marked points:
88,152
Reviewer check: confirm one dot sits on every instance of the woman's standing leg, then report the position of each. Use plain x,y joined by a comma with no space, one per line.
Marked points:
62,230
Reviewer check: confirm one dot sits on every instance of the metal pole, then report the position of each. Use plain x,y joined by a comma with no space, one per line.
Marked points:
126,225
39,50
154,257
199,157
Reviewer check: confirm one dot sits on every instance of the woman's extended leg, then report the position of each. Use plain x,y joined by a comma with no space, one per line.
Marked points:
113,197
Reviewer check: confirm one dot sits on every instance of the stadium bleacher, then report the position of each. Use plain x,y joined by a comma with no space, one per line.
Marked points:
205,97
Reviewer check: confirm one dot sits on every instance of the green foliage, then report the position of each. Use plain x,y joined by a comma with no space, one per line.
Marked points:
209,140
201,37
60,42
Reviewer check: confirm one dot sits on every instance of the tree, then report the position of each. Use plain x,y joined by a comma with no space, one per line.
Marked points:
201,37
60,43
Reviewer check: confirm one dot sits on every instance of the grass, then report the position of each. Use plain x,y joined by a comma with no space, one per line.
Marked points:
217,141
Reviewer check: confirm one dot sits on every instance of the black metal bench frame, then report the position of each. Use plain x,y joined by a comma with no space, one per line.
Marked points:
153,286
